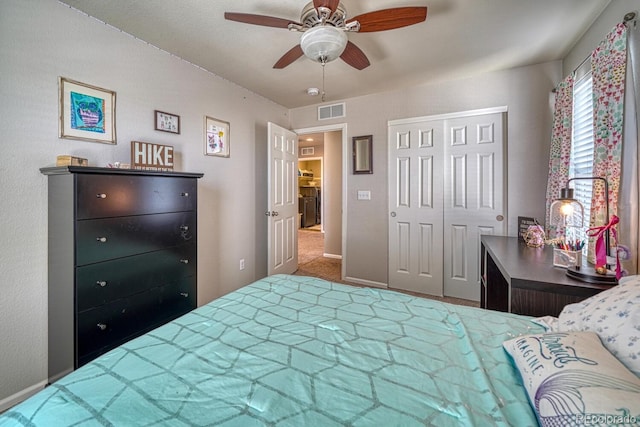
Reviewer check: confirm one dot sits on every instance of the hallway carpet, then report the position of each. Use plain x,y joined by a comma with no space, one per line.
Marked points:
311,262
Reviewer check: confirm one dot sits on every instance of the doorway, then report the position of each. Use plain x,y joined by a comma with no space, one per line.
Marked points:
321,183
310,185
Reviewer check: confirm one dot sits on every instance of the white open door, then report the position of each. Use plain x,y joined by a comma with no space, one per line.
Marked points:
282,209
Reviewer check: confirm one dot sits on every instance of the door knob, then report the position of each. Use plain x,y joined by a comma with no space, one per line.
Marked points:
393,214
499,218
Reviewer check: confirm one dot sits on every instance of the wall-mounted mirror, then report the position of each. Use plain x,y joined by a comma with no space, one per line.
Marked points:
362,154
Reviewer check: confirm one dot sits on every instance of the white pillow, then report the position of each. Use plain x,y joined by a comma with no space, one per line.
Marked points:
614,315
571,379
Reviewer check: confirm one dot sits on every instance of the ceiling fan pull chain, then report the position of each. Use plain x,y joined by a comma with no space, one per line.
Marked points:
323,64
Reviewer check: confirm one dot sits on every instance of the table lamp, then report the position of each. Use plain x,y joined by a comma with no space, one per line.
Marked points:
567,212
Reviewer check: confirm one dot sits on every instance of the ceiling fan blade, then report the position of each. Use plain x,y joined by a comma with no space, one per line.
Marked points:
389,19
329,4
293,54
267,21
355,57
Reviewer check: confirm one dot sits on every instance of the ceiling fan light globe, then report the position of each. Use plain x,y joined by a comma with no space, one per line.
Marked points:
323,43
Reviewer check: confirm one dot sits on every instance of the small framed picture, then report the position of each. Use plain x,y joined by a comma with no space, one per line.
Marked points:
216,137
167,122
87,112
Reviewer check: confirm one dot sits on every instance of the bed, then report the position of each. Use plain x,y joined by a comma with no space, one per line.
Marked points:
301,351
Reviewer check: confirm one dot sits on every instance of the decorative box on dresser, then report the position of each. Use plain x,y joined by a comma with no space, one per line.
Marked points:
122,257
519,279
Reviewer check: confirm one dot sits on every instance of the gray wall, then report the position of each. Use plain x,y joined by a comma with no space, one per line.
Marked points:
525,91
332,197
43,39
612,15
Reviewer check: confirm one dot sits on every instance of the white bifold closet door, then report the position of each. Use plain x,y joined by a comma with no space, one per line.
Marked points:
446,189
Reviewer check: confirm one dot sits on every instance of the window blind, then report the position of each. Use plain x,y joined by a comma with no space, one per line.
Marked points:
581,164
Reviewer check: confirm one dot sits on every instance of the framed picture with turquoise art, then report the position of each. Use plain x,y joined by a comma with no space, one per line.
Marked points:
87,112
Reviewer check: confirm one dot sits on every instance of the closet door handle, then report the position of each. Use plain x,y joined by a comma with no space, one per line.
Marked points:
101,239
185,194
101,196
184,261
393,214
184,294
101,283
102,326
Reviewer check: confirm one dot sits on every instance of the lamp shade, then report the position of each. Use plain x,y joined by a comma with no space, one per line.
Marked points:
323,43
565,212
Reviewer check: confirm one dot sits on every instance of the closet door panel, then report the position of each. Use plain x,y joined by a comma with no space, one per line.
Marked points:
474,197
446,189
415,207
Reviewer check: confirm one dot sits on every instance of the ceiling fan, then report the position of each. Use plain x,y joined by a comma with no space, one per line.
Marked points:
324,25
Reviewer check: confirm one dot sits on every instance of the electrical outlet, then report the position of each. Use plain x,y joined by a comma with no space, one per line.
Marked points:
242,264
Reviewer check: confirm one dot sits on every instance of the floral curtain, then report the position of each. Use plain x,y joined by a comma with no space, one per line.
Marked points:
608,69
629,188
560,154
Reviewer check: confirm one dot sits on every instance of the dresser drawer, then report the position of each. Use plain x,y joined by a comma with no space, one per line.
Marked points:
104,328
110,238
103,282
102,196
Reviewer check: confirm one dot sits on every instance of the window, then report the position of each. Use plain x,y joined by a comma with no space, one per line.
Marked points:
581,162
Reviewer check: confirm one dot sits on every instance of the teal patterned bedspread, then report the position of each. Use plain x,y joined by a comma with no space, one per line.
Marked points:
300,351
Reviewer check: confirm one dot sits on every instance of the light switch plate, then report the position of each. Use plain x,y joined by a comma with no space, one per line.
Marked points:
364,195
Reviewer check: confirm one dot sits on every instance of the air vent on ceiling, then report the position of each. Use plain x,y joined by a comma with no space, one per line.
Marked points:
331,111
307,151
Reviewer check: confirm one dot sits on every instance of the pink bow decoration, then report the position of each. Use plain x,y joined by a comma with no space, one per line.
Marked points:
601,249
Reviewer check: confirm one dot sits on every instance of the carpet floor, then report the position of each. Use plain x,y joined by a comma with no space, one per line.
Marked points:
312,262
311,259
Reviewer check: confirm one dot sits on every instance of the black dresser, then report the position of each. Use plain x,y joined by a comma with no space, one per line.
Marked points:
122,257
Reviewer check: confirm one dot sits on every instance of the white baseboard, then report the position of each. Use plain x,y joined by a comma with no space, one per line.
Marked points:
334,256
365,282
13,400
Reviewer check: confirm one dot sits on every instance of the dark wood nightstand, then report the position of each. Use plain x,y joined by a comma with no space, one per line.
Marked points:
519,279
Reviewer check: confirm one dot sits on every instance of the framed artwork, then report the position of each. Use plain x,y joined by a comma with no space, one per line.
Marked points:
167,122
87,112
216,137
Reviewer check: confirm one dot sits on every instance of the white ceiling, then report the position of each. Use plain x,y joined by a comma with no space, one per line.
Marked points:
458,39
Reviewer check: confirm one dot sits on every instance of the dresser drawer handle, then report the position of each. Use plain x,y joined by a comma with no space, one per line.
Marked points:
184,228
101,283
184,294
101,196
184,194
184,261
101,239
102,326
